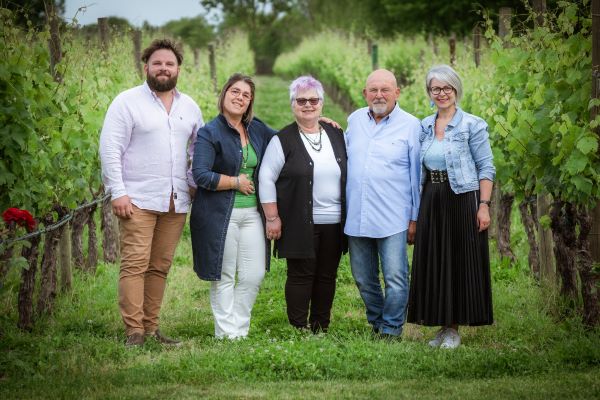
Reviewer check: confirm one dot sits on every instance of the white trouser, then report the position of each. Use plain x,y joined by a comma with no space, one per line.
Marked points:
245,254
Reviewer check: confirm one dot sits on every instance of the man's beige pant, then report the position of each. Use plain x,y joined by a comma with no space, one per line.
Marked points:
148,242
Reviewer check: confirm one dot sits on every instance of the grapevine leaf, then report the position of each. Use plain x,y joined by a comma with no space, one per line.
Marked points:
588,144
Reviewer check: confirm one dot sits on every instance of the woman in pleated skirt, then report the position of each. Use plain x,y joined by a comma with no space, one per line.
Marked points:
450,279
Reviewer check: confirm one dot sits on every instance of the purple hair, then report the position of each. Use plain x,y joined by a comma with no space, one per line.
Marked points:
303,83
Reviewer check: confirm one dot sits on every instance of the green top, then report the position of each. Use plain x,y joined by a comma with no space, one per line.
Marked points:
249,162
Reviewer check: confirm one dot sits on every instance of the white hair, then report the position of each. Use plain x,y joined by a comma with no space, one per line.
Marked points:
305,82
446,74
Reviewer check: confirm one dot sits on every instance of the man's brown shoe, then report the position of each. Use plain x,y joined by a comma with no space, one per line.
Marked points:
162,339
135,340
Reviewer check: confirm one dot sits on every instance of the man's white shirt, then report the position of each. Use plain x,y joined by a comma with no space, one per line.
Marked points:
146,152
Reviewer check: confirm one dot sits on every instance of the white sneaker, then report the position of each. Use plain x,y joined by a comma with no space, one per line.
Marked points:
439,337
451,339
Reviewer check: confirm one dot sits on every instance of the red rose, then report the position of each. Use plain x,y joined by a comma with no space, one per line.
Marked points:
19,217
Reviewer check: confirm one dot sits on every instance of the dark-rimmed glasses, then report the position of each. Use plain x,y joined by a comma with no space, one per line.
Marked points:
313,101
437,90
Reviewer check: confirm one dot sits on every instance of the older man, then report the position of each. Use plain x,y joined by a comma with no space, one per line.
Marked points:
383,199
145,148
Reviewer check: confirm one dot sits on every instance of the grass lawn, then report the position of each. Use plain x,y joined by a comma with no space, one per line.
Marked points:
535,349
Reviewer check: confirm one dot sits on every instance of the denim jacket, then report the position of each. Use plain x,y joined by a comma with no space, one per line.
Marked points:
217,151
467,148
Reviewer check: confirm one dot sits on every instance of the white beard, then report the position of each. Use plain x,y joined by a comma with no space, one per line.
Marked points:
379,109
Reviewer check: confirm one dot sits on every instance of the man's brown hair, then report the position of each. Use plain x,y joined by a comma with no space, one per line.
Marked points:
159,44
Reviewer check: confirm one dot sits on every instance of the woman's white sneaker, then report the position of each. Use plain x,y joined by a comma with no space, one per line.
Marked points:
451,339
439,337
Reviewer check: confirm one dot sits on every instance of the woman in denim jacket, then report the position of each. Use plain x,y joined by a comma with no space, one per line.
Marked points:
227,227
450,282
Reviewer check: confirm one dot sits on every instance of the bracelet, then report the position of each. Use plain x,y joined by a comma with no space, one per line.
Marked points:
272,219
486,202
237,183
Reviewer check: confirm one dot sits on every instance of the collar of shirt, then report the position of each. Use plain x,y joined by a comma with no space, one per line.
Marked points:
456,118
224,121
147,89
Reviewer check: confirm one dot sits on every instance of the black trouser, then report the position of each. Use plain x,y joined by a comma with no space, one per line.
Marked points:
312,280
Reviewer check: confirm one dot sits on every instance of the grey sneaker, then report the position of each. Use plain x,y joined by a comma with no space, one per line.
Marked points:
135,340
439,337
451,339
162,339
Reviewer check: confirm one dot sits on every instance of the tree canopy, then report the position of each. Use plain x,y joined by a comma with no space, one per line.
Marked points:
194,31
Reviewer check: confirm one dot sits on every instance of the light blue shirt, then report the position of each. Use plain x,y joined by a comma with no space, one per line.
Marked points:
382,191
467,150
434,158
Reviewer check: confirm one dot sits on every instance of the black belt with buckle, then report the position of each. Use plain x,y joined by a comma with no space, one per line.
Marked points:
437,176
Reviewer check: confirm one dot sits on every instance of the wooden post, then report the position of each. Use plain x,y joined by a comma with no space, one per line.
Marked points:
375,56
103,31
48,270
595,230
477,45
504,223
196,57
92,258
547,274
431,41
504,21
28,284
539,8
77,225
54,44
493,230
137,51
213,67
528,210
452,44
110,235
66,275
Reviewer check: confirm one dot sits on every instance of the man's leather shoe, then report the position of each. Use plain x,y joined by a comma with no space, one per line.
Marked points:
135,340
162,339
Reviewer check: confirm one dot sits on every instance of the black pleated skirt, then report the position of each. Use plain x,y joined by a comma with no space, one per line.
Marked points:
450,277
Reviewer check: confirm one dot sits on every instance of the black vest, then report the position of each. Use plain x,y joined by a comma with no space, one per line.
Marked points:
295,192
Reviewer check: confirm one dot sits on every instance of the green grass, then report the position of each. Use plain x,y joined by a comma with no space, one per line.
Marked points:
534,349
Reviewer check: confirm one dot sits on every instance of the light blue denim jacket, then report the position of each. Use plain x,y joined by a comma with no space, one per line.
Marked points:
467,148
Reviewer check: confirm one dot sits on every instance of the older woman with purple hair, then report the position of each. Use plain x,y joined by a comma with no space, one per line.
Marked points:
302,191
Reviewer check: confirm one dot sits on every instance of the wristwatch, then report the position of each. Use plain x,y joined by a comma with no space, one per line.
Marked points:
488,202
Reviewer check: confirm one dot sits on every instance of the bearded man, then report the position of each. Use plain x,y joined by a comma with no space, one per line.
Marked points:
382,195
146,147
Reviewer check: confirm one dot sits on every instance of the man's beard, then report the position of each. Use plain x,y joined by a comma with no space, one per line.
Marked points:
379,108
161,86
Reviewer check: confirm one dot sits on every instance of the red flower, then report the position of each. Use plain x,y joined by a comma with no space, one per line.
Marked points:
19,217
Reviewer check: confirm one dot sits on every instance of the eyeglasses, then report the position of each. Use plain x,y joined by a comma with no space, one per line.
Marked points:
235,92
313,101
437,90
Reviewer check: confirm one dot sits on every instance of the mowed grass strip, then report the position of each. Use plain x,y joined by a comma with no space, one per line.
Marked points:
536,348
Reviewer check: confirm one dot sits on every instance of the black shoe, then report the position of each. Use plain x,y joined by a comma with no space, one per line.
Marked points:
162,339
